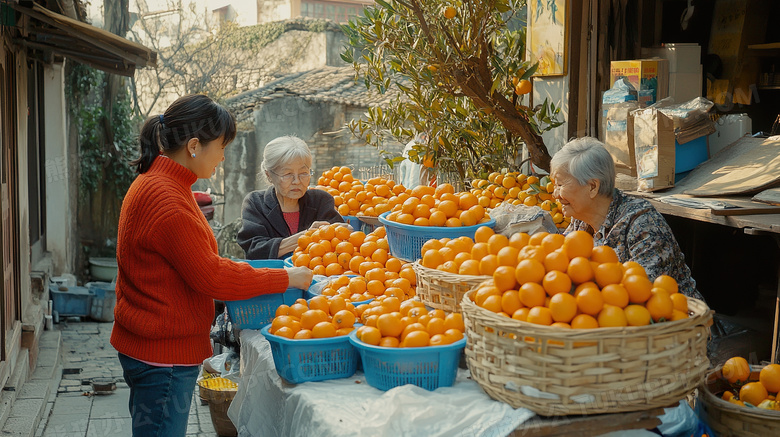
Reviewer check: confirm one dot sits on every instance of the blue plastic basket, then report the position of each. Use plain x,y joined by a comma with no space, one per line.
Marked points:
258,311
352,221
315,359
287,262
427,367
406,241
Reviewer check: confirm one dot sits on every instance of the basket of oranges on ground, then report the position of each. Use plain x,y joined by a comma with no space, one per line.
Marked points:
568,329
451,267
738,399
432,213
309,339
404,343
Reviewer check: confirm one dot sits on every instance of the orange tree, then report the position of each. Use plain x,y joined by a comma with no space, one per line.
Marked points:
459,75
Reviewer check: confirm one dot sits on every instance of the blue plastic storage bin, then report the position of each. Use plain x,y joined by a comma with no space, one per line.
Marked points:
315,359
687,156
406,241
258,311
427,367
70,301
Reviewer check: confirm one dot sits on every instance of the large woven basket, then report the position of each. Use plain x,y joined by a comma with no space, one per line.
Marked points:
555,371
727,419
442,290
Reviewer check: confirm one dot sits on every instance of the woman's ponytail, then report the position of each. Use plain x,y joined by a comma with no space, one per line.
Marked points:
151,139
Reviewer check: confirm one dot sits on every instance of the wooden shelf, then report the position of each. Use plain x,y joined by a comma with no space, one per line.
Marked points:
767,46
769,87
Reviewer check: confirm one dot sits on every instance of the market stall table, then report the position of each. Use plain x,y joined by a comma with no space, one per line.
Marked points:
764,220
265,405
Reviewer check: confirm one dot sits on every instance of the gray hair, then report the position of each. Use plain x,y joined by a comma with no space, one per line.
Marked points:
282,150
586,159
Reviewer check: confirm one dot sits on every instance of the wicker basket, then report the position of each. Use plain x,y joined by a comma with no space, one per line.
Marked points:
727,419
442,290
555,371
219,402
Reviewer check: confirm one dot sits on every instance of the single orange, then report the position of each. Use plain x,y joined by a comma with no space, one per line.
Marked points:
540,316
532,294
612,316
604,254
615,294
563,307
667,283
504,278
590,301
660,304
323,330
770,377
578,243
555,282
580,270
529,270
637,315
753,393
736,370
638,288
584,321
608,273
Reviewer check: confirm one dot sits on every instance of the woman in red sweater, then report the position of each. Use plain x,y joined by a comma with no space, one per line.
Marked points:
169,268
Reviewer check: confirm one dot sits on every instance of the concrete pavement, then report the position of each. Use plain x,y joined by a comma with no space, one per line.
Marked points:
73,410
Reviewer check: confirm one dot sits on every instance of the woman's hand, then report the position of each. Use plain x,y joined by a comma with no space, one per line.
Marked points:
299,277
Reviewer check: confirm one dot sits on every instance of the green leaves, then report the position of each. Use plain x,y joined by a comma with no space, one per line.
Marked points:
450,78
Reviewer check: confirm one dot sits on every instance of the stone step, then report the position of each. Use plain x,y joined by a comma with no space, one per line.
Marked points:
27,399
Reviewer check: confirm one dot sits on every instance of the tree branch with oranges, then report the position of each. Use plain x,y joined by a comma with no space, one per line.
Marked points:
458,72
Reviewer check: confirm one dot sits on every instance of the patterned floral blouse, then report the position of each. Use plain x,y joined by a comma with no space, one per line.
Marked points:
639,233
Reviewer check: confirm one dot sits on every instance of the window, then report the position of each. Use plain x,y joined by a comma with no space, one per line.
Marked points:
36,160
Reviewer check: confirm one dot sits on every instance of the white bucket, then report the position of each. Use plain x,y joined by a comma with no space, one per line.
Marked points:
103,269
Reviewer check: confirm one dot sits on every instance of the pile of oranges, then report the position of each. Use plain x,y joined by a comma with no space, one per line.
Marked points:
335,250
353,198
440,206
519,189
320,317
762,393
390,322
375,283
549,279
465,256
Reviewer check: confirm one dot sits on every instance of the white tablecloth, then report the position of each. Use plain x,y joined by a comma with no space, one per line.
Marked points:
267,406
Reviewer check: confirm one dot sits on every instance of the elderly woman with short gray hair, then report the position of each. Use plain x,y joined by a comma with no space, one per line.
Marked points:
584,175
275,218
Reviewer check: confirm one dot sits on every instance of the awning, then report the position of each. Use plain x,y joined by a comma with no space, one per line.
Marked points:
52,33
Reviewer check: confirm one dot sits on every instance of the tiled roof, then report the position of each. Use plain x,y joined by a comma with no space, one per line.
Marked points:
324,84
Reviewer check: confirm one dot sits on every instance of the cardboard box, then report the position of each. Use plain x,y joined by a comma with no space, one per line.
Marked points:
654,146
643,74
682,57
685,86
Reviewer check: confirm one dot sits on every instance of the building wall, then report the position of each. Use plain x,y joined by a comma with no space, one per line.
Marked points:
321,125
60,199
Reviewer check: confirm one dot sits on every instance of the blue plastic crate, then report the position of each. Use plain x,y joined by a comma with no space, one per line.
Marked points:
71,301
426,367
406,241
287,262
258,311
316,359
352,221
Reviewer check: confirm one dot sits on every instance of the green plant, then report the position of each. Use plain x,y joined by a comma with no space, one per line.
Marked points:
101,160
454,78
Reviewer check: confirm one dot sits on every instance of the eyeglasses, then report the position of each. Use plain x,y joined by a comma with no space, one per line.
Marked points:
289,177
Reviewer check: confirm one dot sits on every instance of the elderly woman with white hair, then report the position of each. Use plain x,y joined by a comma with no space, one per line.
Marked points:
275,218
584,175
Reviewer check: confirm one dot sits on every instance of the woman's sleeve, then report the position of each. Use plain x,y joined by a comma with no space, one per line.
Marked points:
328,210
254,236
190,249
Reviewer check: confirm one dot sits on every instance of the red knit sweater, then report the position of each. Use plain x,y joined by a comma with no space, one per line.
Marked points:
170,271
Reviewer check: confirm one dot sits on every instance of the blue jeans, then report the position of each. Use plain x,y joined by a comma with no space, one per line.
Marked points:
160,397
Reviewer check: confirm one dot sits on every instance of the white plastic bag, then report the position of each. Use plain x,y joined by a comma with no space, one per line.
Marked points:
511,219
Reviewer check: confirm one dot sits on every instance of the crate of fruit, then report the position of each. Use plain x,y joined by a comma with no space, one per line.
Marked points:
429,367
312,359
744,406
443,290
557,371
406,241
258,311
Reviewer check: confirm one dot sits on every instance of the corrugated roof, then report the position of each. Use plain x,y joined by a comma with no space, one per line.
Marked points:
324,84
